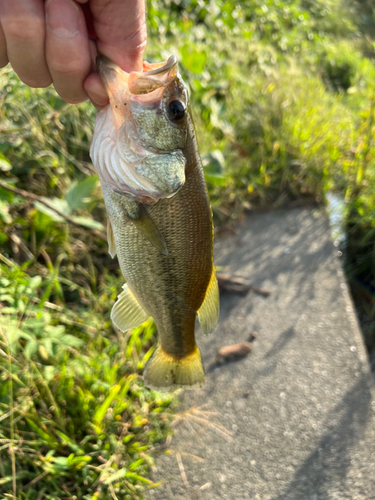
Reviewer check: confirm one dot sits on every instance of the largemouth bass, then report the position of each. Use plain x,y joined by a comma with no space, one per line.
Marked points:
159,218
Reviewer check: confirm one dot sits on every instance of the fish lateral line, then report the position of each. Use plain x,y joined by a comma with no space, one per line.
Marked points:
181,302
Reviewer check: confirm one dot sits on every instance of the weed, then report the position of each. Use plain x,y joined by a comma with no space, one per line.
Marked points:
76,419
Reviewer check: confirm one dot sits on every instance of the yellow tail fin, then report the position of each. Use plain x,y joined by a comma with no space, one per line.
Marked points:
165,373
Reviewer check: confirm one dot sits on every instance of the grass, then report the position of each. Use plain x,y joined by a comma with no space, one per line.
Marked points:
283,96
76,420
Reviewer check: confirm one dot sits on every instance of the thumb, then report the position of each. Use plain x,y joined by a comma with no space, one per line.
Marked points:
120,27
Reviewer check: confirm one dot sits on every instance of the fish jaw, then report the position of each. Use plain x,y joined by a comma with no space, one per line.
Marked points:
135,148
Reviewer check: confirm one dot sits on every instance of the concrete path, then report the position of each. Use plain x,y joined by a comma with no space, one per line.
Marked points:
295,420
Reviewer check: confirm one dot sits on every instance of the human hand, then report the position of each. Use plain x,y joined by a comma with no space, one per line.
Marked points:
56,41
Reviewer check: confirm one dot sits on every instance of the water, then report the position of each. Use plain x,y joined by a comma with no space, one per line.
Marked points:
336,216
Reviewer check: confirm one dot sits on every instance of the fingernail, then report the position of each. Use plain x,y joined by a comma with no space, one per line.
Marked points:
100,98
98,105
62,18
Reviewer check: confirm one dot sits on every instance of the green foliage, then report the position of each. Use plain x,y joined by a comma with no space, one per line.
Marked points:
339,67
76,420
44,150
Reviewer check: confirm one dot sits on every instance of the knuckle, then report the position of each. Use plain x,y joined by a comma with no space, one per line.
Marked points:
23,31
65,70
138,39
69,68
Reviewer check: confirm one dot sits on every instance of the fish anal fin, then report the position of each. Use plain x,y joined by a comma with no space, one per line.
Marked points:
111,240
165,373
209,311
127,313
143,221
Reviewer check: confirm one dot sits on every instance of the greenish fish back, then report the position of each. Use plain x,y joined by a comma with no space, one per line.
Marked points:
164,372
127,312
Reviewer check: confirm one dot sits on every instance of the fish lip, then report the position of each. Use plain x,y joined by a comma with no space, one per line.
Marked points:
103,63
152,77
167,66
106,67
114,79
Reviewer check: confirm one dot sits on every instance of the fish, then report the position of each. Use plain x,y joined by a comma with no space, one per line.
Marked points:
145,152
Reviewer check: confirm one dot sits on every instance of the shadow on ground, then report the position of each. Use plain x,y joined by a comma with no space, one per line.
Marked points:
317,474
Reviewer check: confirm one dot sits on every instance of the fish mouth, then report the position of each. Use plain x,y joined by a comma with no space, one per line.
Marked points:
152,77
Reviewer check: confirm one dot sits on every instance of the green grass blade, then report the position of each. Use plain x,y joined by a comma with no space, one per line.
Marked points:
102,410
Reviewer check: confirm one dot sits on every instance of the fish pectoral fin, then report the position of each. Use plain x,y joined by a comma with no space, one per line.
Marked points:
165,373
148,228
127,313
209,311
111,240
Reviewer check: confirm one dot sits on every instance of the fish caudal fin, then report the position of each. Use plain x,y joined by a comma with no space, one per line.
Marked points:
208,314
165,373
127,313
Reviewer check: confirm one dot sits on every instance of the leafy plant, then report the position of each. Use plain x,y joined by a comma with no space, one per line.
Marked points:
76,420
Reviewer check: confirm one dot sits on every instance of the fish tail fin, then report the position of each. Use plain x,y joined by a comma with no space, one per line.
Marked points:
165,373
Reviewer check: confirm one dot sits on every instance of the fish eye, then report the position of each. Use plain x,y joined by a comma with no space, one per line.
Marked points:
176,110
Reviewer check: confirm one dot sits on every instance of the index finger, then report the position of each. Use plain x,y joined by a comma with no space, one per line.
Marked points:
120,26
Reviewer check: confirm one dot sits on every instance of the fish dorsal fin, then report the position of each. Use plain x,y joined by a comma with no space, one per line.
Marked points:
127,312
111,240
149,229
208,313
